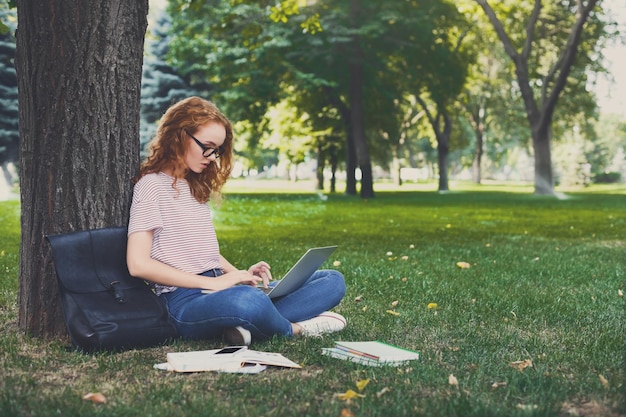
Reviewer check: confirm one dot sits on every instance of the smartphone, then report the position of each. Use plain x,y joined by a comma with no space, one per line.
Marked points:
230,350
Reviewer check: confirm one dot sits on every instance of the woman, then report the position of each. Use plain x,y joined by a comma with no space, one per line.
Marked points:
172,241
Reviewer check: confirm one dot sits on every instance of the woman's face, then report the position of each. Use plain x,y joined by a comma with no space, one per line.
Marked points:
210,137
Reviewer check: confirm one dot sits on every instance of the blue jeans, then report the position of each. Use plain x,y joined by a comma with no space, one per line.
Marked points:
201,316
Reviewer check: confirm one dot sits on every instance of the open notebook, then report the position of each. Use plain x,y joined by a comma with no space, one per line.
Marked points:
300,272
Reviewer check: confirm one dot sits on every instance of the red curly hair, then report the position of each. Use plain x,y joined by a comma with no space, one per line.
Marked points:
167,149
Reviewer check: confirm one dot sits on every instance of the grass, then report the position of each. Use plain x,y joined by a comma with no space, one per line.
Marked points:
543,285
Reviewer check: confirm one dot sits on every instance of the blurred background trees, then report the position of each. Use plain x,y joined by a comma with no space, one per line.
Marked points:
375,91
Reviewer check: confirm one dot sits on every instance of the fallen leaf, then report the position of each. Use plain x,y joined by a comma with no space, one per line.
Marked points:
95,397
362,384
394,303
393,313
383,392
432,306
404,279
346,413
453,381
620,293
337,263
359,298
603,380
463,265
405,258
349,395
521,365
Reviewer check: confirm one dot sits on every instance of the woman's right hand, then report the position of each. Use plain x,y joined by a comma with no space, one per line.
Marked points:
244,277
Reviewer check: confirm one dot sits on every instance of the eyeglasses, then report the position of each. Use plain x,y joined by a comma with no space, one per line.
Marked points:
206,151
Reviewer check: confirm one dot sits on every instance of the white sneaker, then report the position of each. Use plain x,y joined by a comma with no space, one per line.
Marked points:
327,322
237,336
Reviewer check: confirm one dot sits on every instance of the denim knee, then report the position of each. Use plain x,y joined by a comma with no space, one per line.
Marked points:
250,302
337,284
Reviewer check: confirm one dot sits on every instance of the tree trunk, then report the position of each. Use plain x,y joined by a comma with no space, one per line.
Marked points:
79,78
477,161
344,111
357,121
333,169
443,150
351,163
544,181
443,153
319,170
396,167
479,132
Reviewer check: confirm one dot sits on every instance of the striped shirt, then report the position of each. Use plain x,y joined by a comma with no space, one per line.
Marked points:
183,232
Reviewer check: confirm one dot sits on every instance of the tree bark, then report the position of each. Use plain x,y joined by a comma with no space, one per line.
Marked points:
319,169
351,162
478,124
79,79
357,121
334,162
442,133
544,181
443,150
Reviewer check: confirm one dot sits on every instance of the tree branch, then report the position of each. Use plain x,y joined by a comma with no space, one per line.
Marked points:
564,64
530,30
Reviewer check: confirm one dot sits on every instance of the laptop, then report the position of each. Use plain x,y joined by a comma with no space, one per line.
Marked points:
300,272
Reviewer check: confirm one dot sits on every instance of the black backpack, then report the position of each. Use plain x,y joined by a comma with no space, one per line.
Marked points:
105,308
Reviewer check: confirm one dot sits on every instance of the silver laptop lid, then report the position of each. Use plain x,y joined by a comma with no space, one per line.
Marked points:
301,271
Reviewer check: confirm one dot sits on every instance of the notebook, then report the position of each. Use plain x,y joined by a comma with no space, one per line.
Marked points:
300,272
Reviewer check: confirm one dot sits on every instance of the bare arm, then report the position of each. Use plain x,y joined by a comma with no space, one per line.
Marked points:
141,265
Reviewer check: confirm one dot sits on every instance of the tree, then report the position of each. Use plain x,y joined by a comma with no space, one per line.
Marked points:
161,84
253,62
543,57
486,94
356,62
431,64
79,74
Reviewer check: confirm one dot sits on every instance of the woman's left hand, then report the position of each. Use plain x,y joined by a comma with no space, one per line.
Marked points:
262,270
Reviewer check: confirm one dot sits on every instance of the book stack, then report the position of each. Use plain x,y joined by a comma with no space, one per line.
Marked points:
372,353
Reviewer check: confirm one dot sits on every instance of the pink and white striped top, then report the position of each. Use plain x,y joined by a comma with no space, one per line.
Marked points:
183,232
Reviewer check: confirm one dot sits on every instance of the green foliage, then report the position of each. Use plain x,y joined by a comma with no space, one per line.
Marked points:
543,285
257,55
161,85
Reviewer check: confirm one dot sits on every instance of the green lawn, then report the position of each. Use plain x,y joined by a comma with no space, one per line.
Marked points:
545,285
